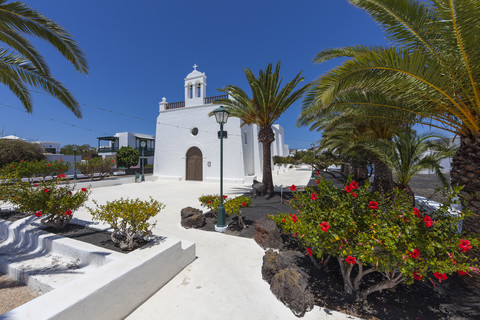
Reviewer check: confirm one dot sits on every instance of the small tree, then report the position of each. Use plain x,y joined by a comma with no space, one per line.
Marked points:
84,149
128,219
34,170
127,157
94,166
232,206
17,150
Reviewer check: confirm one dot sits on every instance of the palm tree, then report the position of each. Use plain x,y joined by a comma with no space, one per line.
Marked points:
432,72
269,100
409,153
21,65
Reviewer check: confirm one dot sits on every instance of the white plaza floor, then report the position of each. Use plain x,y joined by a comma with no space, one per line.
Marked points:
225,280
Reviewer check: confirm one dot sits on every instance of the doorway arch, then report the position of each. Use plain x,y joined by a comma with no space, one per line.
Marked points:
194,164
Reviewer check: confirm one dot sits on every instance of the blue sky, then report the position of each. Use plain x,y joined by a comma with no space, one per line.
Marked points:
140,51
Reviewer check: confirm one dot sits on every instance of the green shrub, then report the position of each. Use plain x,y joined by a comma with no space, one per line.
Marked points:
17,150
35,170
375,233
54,200
128,219
232,206
96,165
127,157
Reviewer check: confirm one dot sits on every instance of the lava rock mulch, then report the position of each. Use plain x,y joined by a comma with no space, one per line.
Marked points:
452,299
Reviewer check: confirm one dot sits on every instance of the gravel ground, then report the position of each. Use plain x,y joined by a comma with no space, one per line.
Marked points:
13,294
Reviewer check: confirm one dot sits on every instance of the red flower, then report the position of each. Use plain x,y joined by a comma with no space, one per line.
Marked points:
21,160
294,218
69,192
38,214
350,260
84,189
325,226
354,185
46,190
283,220
440,276
68,212
295,234
354,194
464,245
225,197
314,196
309,251
462,273
35,184
11,166
417,276
416,212
415,253
428,221
348,188
61,176
318,181
373,205
243,204
48,164
293,188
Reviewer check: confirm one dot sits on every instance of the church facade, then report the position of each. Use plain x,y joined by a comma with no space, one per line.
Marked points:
187,146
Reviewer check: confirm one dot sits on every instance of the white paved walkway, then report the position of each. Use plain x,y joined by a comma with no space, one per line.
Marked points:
225,280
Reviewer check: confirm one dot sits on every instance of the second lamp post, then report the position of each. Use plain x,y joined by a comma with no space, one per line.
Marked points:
221,115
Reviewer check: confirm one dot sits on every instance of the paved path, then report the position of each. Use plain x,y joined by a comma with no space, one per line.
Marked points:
225,280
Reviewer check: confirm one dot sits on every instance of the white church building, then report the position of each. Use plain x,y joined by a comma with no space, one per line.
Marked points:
187,146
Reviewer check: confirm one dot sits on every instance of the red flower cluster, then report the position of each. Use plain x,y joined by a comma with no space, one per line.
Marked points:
283,220
350,187
309,251
415,253
61,176
314,196
350,260
84,189
68,212
325,226
46,190
440,276
225,197
244,204
373,205
416,212
464,245
38,214
293,188
294,218
428,221
462,273
417,276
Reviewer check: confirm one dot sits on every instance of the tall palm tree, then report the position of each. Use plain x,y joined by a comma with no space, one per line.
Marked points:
268,102
433,72
22,66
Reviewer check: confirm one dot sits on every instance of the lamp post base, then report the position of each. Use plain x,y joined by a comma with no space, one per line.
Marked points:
221,229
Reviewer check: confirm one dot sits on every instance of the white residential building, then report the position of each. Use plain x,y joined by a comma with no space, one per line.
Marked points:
109,145
187,145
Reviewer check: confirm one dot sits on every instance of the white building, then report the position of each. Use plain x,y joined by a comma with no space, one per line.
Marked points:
187,145
108,146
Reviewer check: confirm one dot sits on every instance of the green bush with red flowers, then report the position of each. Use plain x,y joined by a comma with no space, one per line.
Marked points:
369,233
96,166
232,206
53,199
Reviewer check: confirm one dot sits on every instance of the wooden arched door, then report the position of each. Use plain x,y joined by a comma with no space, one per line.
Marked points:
194,164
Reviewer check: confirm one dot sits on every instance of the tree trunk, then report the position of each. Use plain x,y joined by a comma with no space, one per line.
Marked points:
465,172
266,137
383,178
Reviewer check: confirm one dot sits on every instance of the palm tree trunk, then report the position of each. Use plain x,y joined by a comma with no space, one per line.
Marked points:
266,137
383,179
466,172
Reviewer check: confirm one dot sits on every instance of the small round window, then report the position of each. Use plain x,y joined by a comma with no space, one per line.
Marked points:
194,131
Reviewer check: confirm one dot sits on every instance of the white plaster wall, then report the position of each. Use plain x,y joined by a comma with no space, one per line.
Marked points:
248,145
174,138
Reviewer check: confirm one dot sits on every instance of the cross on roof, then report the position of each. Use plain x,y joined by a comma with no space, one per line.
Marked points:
195,67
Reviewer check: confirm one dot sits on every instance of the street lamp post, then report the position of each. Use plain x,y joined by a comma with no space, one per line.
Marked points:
75,162
143,144
313,155
221,115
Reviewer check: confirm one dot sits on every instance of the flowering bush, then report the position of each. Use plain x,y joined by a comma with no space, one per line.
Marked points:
35,170
375,233
128,219
49,199
232,206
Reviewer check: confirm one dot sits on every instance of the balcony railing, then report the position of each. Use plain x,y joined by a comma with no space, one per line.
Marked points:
209,100
107,149
181,104
147,152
